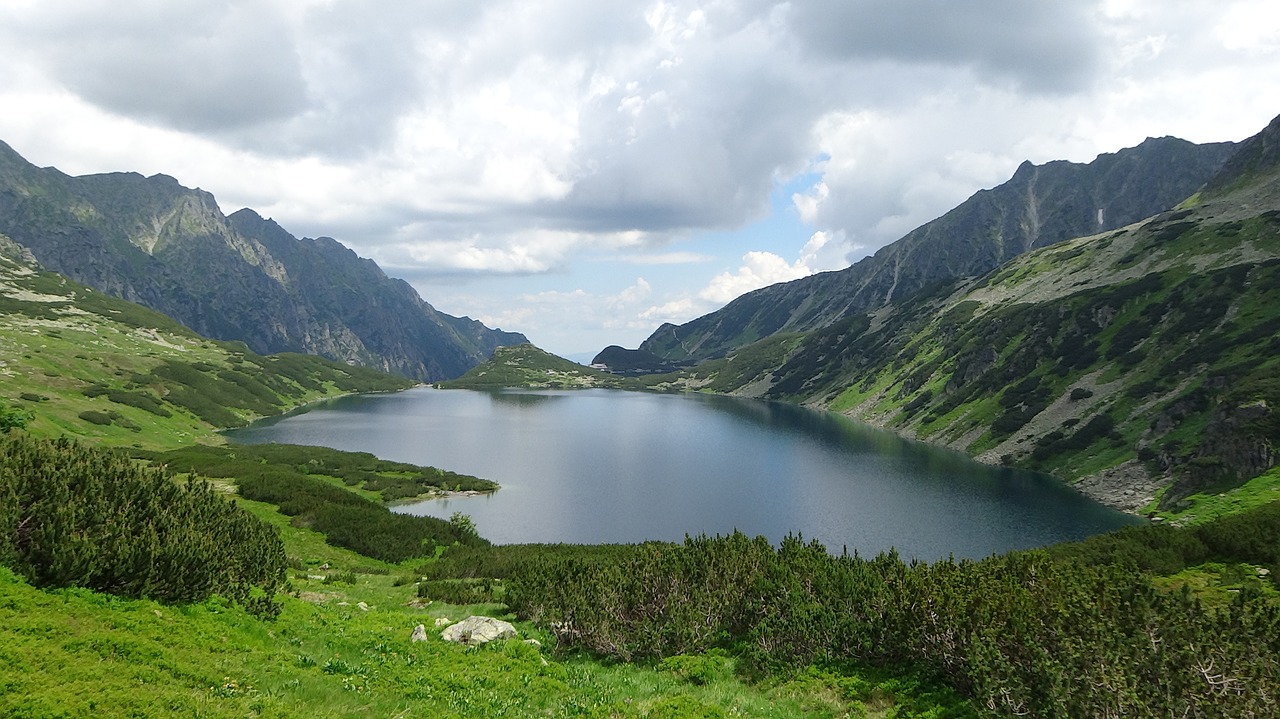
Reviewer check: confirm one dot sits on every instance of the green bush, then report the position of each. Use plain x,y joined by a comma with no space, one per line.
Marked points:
270,473
78,516
341,578
93,416
13,418
1081,631
460,591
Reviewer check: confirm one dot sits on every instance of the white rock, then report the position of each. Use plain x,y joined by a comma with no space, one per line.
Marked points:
475,631
443,622
362,606
419,634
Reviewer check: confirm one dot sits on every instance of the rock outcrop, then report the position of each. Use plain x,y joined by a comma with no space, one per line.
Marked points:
476,630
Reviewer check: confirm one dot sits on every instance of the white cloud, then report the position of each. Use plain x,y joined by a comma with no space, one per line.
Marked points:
676,311
759,269
823,251
510,137
665,258
571,321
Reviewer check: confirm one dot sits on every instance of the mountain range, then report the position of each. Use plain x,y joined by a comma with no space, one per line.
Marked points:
240,277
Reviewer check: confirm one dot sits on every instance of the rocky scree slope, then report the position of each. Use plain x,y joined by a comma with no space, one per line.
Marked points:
152,241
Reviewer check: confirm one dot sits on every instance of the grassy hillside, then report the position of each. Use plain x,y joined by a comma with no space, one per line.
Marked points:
712,628
1141,361
89,365
1039,206
240,277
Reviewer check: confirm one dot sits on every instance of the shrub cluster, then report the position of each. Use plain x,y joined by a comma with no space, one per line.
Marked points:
461,592
77,516
1050,635
271,473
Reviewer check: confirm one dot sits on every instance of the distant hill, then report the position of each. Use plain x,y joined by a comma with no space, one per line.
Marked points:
152,241
528,366
632,362
1039,206
1143,362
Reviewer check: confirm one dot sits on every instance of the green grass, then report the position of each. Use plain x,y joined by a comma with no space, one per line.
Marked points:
72,653
1216,584
1206,506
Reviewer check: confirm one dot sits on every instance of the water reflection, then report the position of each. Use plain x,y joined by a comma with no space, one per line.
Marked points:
518,398
608,466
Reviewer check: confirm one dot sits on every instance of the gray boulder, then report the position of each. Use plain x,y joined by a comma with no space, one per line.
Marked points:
475,631
419,634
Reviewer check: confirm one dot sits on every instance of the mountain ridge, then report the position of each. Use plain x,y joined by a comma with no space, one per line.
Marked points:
240,277
1038,206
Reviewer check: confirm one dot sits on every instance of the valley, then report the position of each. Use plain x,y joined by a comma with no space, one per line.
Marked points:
152,569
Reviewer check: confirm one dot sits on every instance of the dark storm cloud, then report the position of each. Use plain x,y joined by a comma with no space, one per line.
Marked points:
1042,46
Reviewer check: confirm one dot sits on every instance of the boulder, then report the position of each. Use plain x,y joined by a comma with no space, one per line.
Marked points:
442,622
419,634
475,631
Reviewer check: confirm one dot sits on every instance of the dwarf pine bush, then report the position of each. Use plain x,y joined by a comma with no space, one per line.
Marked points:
72,515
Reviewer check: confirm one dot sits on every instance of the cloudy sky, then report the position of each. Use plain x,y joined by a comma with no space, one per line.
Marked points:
584,170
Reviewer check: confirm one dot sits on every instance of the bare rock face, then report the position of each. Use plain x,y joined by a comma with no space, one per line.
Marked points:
475,631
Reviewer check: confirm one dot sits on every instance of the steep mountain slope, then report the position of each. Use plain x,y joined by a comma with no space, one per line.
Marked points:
1144,361
1038,206
83,363
155,242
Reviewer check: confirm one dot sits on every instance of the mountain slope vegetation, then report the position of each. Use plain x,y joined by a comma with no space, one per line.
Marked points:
83,363
152,241
528,366
1141,361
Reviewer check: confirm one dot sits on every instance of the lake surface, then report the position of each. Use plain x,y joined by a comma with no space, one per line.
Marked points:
594,466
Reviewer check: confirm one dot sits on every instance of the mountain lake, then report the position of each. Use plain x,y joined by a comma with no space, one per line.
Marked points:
602,466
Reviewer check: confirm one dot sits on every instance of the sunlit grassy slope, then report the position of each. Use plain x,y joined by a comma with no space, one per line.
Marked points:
74,653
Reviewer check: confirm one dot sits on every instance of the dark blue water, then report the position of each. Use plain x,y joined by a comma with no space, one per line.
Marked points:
595,466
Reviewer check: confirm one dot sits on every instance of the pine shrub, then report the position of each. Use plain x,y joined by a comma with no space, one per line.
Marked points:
72,515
